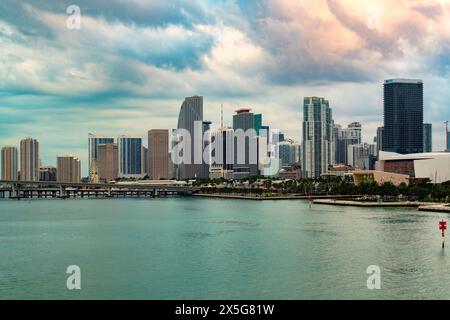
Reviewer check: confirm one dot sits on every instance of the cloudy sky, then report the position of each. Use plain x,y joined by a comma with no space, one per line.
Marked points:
129,67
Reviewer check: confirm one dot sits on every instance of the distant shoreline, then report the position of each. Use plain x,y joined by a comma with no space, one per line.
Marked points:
262,197
422,206
336,201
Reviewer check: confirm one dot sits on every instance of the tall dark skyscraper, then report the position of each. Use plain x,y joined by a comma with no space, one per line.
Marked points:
427,137
244,119
403,116
191,112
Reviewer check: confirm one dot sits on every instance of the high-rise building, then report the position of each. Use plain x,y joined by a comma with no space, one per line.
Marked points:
427,137
362,156
403,116
448,141
47,173
222,152
29,160
277,137
10,163
191,112
145,163
108,161
289,153
318,140
207,141
447,137
131,157
258,123
68,169
344,138
380,133
246,158
158,154
94,142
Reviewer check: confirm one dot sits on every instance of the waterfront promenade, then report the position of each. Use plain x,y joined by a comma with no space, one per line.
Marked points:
257,197
422,206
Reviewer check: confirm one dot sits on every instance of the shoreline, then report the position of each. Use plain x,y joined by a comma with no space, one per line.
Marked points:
421,206
337,201
263,198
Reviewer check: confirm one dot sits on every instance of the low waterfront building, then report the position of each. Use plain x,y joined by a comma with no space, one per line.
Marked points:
218,172
433,166
379,177
293,172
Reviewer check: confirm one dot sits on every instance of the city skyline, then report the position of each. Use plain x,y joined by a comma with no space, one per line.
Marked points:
57,93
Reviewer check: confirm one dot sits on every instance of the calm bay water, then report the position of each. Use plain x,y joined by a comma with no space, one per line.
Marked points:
193,248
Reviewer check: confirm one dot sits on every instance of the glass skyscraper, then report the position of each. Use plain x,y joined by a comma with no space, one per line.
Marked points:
427,137
403,116
244,120
258,123
448,141
94,141
130,157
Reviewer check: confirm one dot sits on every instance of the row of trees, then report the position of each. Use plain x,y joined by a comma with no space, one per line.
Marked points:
421,191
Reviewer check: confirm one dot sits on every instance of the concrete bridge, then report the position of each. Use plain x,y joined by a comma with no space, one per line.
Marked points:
62,190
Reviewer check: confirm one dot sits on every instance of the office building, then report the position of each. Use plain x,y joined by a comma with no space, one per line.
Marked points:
10,164
288,153
277,137
206,143
108,161
29,160
403,116
68,169
380,133
362,156
145,163
94,141
222,148
344,138
427,137
131,158
47,173
158,154
258,123
191,111
246,150
448,141
318,139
